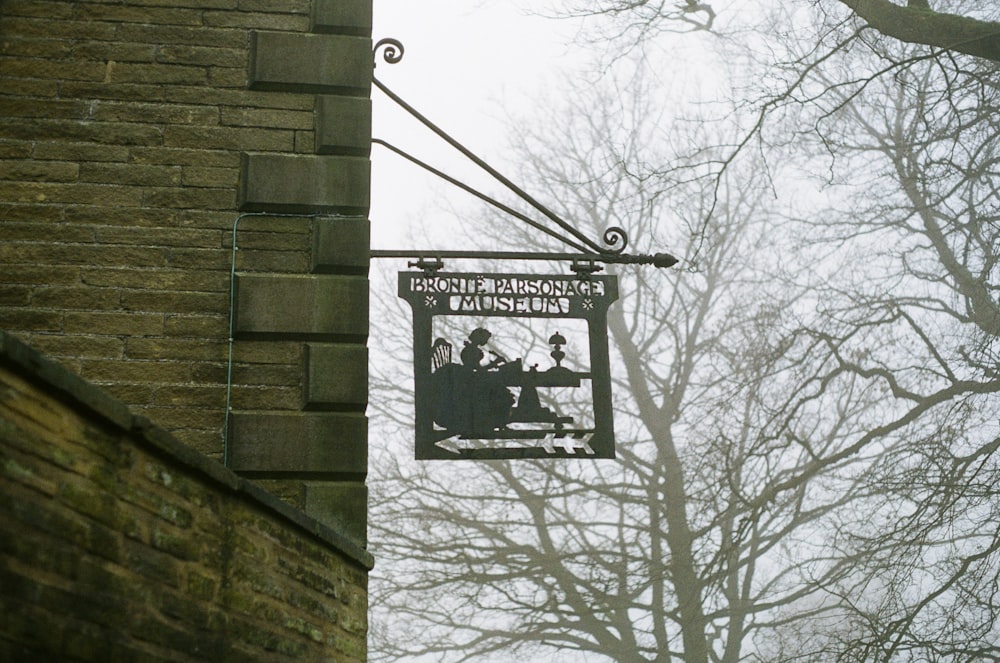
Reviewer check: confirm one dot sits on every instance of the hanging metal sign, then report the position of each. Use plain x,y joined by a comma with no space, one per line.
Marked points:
552,399
475,399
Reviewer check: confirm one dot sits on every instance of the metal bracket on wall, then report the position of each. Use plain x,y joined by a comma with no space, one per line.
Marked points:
615,239
581,262
470,406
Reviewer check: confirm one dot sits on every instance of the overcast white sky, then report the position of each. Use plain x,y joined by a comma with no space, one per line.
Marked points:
465,65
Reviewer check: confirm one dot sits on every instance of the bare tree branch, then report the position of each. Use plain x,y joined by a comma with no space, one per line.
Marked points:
921,25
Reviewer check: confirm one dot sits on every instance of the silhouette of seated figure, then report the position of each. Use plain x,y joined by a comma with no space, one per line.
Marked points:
469,399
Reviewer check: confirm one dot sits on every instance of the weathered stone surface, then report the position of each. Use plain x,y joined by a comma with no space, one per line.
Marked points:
312,63
343,125
304,183
336,376
301,306
123,131
317,444
341,244
343,505
60,382
124,128
119,543
348,17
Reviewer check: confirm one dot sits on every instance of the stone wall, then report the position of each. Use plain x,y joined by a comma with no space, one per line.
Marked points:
118,543
177,174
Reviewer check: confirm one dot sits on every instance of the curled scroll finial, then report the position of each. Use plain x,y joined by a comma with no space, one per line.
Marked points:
392,50
612,237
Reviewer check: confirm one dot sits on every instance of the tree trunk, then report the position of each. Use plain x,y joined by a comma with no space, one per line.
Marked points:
923,26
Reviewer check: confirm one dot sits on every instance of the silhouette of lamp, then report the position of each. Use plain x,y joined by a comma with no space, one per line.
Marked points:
557,340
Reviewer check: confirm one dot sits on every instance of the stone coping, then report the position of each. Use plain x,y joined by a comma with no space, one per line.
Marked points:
86,398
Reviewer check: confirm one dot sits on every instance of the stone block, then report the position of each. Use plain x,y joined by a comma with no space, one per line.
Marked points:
341,244
336,376
310,63
342,506
301,306
348,17
304,183
330,446
343,125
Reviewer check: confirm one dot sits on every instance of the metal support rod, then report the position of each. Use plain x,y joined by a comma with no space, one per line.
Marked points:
482,196
661,260
612,235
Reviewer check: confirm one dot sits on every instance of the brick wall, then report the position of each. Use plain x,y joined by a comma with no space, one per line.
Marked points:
118,543
133,135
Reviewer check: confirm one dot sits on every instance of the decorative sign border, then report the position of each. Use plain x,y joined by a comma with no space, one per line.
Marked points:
458,402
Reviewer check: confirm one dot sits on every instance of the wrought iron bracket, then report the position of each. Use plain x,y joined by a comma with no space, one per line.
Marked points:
434,260
430,267
614,240
585,268
476,407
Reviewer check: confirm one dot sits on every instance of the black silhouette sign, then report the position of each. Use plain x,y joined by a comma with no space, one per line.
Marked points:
473,401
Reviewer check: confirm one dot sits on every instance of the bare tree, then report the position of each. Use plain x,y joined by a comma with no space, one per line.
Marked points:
918,23
918,322
807,419
680,549
805,55
951,25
